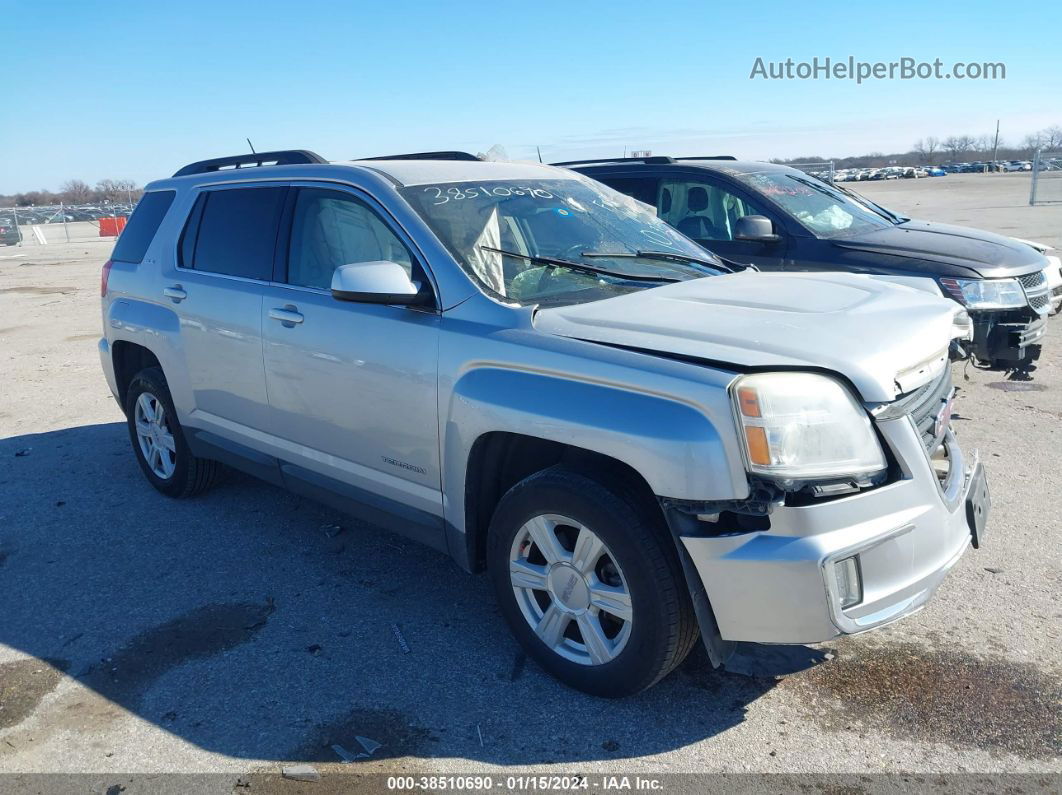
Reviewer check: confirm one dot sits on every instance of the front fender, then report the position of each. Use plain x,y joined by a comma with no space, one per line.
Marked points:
672,444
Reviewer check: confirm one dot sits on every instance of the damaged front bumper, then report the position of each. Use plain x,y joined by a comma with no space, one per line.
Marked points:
1008,338
781,584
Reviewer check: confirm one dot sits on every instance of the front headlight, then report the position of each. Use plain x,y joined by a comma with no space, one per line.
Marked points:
802,426
985,293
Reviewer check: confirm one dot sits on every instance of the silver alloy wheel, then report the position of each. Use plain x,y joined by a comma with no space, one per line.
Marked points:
153,433
570,589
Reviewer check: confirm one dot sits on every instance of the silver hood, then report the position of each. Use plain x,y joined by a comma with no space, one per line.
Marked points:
885,338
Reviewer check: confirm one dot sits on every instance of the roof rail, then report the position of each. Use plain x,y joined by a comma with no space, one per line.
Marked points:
707,157
284,157
651,159
426,156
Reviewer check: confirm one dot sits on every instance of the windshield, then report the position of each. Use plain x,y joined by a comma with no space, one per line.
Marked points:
557,241
820,207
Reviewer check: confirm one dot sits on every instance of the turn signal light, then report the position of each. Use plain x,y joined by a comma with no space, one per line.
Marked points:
748,401
759,449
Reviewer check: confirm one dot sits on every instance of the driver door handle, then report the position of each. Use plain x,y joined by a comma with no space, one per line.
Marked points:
176,293
289,317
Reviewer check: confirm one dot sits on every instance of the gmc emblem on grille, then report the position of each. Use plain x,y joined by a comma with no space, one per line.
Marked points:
943,416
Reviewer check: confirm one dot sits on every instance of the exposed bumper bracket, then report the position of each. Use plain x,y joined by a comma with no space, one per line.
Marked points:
719,650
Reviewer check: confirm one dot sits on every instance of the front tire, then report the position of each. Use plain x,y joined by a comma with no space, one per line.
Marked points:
587,575
158,439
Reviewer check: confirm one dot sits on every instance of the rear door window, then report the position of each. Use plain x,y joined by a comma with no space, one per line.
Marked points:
133,243
236,233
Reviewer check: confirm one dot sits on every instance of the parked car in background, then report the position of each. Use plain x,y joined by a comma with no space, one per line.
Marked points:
936,171
779,218
10,234
532,373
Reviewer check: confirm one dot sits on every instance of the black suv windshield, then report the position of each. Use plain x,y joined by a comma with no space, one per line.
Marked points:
557,241
824,210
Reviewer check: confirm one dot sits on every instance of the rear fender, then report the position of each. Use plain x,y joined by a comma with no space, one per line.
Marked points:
156,328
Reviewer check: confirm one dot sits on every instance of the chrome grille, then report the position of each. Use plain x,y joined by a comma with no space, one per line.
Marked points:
1033,281
1036,291
1039,301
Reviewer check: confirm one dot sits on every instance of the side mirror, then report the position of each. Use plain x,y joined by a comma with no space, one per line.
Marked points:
381,282
756,228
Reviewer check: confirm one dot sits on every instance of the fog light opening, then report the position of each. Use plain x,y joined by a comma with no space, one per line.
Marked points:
849,581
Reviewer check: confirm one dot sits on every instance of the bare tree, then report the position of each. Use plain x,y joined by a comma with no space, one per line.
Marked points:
128,190
75,191
1051,138
958,145
108,190
926,148
1032,142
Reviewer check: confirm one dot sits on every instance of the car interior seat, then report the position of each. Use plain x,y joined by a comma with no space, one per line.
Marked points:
696,224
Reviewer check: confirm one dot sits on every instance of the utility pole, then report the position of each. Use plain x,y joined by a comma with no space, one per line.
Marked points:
995,145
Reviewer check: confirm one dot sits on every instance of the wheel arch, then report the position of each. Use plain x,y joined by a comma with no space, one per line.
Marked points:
498,460
129,358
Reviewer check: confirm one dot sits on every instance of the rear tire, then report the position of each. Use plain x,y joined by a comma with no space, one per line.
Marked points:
588,577
158,439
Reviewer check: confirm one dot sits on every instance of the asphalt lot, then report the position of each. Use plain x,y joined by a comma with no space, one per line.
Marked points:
234,631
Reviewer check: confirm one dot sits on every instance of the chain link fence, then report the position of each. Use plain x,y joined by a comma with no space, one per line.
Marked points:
1046,185
61,223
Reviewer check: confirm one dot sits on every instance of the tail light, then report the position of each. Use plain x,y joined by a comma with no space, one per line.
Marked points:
104,278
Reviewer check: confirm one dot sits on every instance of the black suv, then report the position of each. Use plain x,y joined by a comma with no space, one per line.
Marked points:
779,218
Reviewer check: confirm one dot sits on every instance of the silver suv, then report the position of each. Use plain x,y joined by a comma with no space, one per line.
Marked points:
530,372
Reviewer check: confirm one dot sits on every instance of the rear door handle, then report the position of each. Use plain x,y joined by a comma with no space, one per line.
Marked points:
288,316
176,293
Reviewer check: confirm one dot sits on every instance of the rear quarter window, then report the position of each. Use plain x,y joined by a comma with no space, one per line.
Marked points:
133,243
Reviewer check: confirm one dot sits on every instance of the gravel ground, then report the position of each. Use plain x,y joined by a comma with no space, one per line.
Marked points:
235,631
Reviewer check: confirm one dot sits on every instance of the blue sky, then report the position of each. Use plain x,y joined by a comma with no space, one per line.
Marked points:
135,89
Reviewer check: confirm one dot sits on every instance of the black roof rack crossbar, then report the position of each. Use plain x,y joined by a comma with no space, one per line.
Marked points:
707,157
426,156
651,159
285,157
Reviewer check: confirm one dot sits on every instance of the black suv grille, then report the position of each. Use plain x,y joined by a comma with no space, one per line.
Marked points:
1035,285
1039,301
1033,281
924,405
